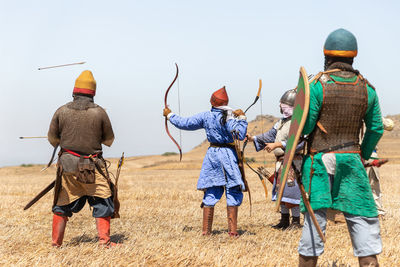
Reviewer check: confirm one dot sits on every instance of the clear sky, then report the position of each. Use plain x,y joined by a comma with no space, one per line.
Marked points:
131,48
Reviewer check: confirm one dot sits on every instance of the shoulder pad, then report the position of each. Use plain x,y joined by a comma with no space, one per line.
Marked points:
366,81
324,78
373,87
316,77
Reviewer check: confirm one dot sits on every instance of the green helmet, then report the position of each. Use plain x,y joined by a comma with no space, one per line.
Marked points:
341,43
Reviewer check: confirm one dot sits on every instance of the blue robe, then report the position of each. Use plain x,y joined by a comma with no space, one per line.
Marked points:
220,165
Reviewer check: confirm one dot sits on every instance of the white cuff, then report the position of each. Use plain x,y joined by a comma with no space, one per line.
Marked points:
169,115
283,144
242,117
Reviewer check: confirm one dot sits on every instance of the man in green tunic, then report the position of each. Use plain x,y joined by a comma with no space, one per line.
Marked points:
341,99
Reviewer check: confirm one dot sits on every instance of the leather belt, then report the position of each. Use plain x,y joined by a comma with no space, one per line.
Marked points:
86,156
228,145
336,147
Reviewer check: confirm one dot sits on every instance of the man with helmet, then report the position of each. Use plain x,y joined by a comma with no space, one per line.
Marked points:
275,140
80,128
220,171
341,99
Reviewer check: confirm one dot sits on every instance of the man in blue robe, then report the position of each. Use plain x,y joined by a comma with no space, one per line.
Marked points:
220,170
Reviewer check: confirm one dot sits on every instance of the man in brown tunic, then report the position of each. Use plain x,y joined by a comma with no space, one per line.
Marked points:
80,128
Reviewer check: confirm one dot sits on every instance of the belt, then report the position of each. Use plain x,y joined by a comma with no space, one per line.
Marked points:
336,147
229,145
86,156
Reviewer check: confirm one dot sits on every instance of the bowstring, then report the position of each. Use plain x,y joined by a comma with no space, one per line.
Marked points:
262,125
179,111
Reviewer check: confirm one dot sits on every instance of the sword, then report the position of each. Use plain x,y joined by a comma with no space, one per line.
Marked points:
40,195
50,186
51,159
52,156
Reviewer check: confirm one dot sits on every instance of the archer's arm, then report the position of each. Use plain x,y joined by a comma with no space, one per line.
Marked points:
373,123
316,98
190,123
267,137
108,133
53,134
239,125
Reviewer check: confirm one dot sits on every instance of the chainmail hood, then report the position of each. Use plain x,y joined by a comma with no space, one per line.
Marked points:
343,66
81,102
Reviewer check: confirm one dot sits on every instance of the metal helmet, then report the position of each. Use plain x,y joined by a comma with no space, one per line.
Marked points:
341,43
288,97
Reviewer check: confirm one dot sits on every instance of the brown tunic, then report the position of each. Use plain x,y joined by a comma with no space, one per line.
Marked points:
80,126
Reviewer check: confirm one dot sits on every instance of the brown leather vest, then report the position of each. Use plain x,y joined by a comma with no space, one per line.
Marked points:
341,117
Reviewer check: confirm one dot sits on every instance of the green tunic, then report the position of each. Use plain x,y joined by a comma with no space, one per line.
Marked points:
351,192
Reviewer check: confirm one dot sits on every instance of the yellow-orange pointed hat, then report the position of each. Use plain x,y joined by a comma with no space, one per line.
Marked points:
85,84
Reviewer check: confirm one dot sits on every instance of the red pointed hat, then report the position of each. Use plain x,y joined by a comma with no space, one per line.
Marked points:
219,98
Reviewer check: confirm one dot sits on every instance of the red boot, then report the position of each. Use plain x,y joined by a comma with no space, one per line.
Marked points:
59,223
208,214
103,229
232,221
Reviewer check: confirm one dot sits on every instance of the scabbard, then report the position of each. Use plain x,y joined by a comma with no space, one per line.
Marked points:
57,184
311,212
40,195
307,203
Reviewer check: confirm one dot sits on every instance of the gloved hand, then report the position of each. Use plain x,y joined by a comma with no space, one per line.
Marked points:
238,113
376,163
166,112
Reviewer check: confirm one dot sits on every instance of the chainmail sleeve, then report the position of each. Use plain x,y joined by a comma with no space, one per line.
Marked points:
53,134
108,133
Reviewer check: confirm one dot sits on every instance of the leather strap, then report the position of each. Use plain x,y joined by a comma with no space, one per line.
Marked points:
79,155
229,145
334,148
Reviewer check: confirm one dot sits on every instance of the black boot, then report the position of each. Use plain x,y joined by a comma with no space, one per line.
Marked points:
283,223
295,223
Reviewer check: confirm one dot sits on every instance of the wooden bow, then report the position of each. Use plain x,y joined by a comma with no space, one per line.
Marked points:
245,144
166,120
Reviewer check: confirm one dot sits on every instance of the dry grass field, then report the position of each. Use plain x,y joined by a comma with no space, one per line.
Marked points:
160,222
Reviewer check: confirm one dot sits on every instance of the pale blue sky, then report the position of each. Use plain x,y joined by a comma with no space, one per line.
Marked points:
131,47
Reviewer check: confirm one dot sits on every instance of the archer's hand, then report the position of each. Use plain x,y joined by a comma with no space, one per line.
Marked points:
249,138
271,146
166,112
238,113
376,163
